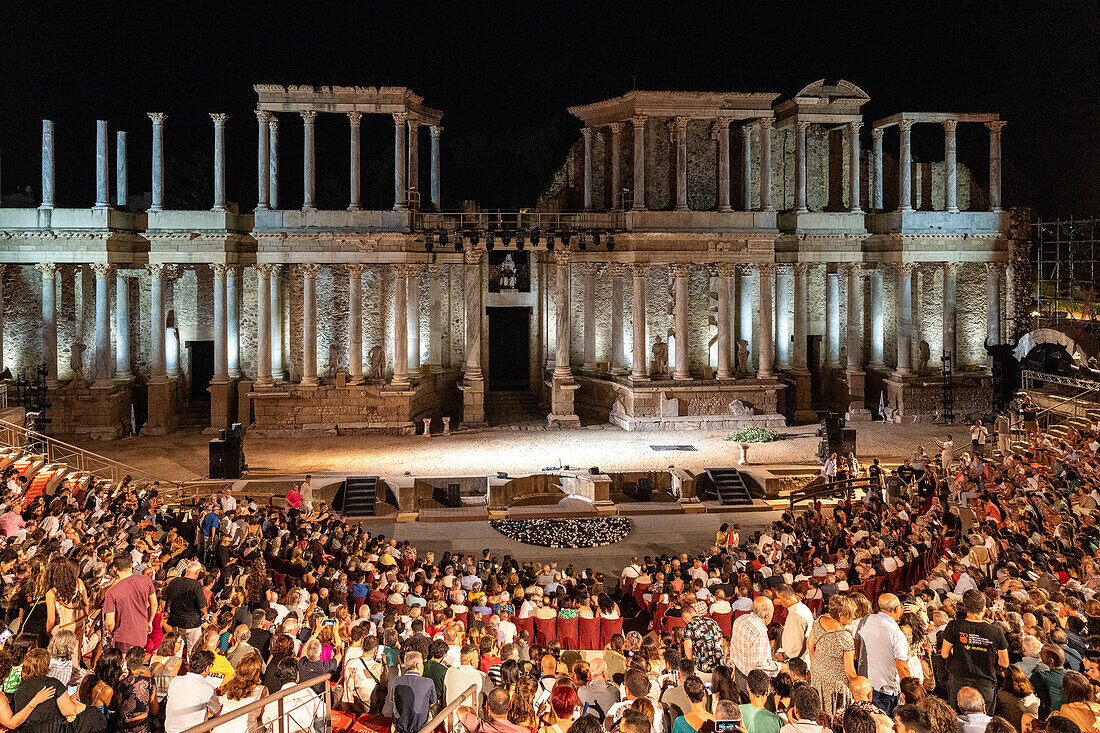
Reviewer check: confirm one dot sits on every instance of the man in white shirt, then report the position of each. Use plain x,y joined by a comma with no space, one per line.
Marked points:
191,696
227,500
796,629
881,648
458,679
506,630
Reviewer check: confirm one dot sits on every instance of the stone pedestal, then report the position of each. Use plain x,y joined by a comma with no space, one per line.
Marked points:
918,398
856,410
473,402
803,412
222,398
562,413
162,407
102,413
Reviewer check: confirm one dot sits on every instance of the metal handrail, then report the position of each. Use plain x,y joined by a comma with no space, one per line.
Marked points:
263,702
829,489
1014,426
444,714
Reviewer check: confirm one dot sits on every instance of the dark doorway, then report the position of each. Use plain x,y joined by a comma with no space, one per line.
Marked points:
509,348
202,369
813,363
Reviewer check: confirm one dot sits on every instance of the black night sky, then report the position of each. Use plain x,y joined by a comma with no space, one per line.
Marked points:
504,73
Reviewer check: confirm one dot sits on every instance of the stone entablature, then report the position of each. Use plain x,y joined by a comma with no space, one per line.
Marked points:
338,99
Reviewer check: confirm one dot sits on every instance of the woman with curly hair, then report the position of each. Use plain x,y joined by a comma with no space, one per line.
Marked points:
243,688
281,646
32,601
521,711
66,599
97,690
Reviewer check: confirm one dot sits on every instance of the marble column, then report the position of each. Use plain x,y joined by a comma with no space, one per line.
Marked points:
103,373
412,319
876,165
950,166
905,169
587,133
745,311
122,184
263,179
561,310
995,164
436,132
832,318
355,323
273,162
746,167
49,320
993,302
219,160
618,357
680,272
800,128
309,161
722,133
1010,303
263,326
309,324
878,346
766,272
221,328
278,363
639,122
401,327
102,177
435,319
855,322
639,368
617,165
801,318
766,163
589,270
725,362
233,320
950,280
157,372
414,155
399,161
122,328
171,336
905,318
853,166
47,171
681,126
472,291
782,316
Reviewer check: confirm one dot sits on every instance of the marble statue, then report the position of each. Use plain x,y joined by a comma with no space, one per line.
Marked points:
923,355
743,357
508,273
333,362
377,358
76,363
660,358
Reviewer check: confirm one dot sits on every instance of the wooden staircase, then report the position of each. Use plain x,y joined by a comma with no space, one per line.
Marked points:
730,487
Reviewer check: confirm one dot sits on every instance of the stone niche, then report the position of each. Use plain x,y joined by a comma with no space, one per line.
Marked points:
671,406
920,399
334,409
100,413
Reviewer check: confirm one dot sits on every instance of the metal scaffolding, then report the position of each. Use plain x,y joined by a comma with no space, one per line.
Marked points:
1066,254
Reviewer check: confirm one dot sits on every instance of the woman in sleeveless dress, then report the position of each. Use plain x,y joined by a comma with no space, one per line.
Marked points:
832,664
66,600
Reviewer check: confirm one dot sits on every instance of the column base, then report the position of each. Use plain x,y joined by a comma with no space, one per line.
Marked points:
617,371
103,384
264,382
681,377
394,383
355,208
127,377
562,411
473,402
725,208
355,379
309,381
635,379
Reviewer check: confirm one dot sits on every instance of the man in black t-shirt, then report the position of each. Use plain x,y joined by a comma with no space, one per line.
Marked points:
974,648
186,603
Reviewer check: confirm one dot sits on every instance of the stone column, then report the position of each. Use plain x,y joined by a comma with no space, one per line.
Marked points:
639,371
2,269
435,318
950,188
102,177
219,160
309,324
309,160
399,162
995,164
354,203
680,272
905,169
993,302
616,165
722,133
400,379
263,325
766,272
1010,303
103,373
854,339
47,172
233,320
618,358
273,161
355,323
221,329
172,340
800,128
122,184
436,131
766,163
853,165
639,122
414,155
905,319
263,179
680,126
782,316
412,320
801,318
157,373
561,310
950,280
278,363
832,318
589,270
878,346
158,119
745,313
587,133
472,272
49,320
725,364
746,167
122,328
876,163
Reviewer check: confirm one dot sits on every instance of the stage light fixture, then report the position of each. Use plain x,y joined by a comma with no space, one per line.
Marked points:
519,242
429,242
490,242
549,241
595,239
443,238
534,239
610,242
505,239
582,243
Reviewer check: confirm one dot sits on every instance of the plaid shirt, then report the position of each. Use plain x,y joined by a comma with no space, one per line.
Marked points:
749,646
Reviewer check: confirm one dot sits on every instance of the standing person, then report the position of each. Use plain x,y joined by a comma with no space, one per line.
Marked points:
830,468
878,480
795,639
702,643
210,526
1030,413
187,604
306,491
749,645
293,502
974,649
411,696
947,452
883,651
191,696
1003,428
979,434
129,606
458,679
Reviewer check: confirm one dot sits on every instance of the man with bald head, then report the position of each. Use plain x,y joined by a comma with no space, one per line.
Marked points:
861,689
749,645
883,652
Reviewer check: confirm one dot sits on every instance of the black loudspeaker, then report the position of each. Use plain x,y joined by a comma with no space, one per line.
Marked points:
594,471
217,458
643,491
847,442
454,496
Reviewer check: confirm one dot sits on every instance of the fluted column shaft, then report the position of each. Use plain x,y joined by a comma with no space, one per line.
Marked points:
587,133
263,326
766,164
905,169
680,272
412,315
722,132
309,324
801,318
219,160
993,302
122,183
589,270
876,164
905,318
800,166
766,356
783,316
221,329
855,331
561,310
122,327
355,323
435,318
49,321
832,319
1010,303
680,127
157,374
47,172
472,267
102,177
617,165
995,164
639,122
103,373
725,366
436,132
950,188
273,162
233,320
639,370
746,167
950,281
278,363
853,166
878,330
399,161
414,155
309,161
263,175
618,359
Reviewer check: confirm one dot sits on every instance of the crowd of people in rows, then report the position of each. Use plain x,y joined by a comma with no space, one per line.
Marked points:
125,615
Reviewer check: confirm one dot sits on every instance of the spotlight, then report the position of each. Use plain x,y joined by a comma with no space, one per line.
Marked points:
534,239
610,242
490,242
505,239
595,239
549,241
443,238
458,243
582,243
519,242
